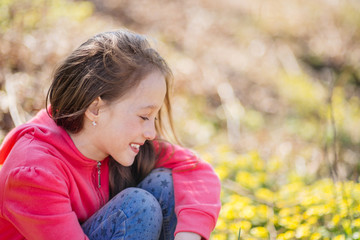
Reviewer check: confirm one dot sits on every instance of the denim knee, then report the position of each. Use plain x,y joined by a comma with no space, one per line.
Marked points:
159,178
160,184
138,200
143,212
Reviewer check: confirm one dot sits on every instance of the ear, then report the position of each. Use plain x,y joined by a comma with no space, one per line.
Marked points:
92,112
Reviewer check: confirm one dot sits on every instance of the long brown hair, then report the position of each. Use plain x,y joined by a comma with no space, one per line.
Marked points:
109,65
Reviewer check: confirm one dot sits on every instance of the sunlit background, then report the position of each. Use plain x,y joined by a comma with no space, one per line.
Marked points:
266,91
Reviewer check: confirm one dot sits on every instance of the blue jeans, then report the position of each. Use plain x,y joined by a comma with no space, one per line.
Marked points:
142,212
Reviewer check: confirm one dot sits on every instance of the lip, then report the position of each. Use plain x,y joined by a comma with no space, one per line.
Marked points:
134,148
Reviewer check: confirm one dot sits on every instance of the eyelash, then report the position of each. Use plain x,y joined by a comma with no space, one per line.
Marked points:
146,118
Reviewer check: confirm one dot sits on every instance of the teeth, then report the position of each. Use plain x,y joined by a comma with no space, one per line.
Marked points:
137,146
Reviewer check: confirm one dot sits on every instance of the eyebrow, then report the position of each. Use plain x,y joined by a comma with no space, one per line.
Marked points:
150,107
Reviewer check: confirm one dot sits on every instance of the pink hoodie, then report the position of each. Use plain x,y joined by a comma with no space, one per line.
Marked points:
47,187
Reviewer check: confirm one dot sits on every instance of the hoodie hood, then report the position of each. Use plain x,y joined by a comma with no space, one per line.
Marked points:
43,128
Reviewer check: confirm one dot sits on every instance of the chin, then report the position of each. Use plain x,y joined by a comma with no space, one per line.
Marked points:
126,163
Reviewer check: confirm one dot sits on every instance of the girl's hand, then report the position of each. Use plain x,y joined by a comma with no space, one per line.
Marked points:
187,236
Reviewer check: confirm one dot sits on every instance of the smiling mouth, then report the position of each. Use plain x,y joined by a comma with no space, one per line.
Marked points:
135,147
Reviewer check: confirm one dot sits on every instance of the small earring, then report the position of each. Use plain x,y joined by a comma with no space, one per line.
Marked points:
94,123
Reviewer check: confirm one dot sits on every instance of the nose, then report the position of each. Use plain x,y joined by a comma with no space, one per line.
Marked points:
150,131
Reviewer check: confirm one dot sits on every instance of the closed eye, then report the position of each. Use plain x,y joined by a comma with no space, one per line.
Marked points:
144,118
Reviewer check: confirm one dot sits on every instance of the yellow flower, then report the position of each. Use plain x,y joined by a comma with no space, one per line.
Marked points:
312,220
248,212
257,162
339,237
234,227
356,222
302,231
228,212
319,210
245,225
222,171
315,236
249,180
290,190
238,202
289,211
290,222
344,208
286,235
265,194
356,209
241,162
356,192
221,225
312,199
346,224
335,220
218,236
259,232
262,213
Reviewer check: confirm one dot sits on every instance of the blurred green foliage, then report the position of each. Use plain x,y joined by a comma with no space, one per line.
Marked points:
267,91
29,15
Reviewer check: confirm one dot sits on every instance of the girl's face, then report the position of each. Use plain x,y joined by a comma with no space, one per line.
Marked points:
124,125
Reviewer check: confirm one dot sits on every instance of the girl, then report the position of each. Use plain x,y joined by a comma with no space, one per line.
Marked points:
92,165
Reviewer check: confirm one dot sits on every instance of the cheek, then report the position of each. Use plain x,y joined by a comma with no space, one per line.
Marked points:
126,128
133,127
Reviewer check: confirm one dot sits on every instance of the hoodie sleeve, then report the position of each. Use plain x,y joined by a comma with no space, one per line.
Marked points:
197,189
36,205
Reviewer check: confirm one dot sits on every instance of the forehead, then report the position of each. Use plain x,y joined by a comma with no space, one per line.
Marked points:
150,92
154,79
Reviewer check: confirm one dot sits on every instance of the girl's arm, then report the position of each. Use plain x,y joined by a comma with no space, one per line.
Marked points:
196,187
36,203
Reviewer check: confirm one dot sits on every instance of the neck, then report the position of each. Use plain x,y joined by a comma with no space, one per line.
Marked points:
85,143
